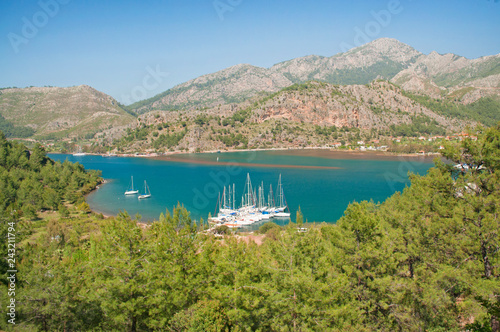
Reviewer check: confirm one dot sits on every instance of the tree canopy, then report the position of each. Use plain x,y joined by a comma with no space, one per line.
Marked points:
427,259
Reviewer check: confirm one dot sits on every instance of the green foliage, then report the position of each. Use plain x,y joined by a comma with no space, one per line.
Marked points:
304,87
63,210
84,207
299,220
137,134
233,140
128,109
14,131
201,119
466,74
222,230
419,125
203,316
242,115
169,140
267,226
426,259
386,69
239,116
484,110
325,131
32,182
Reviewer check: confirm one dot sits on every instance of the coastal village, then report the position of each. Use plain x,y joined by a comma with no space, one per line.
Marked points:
392,145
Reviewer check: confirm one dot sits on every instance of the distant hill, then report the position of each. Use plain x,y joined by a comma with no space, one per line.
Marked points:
438,92
52,112
449,74
388,59
305,115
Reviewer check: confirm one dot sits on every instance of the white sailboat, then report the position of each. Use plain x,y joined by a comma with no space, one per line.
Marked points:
254,207
281,202
147,193
131,190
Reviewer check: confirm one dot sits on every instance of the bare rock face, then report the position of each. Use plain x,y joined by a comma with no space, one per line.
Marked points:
449,71
68,112
83,111
377,105
234,84
491,82
297,116
475,94
381,51
383,58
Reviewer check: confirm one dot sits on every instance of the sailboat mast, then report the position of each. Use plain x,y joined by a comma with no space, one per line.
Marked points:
249,192
280,192
261,195
271,197
218,204
224,197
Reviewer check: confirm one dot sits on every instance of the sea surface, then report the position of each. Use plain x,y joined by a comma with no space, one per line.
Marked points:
321,182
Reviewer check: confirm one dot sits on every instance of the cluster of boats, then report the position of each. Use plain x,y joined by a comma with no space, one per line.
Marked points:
132,191
254,206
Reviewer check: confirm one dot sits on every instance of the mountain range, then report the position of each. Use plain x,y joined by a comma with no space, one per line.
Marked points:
449,89
389,59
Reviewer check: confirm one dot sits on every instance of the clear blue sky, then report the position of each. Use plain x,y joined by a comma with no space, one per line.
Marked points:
112,45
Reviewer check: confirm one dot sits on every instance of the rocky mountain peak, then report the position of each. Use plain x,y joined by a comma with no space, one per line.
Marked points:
383,58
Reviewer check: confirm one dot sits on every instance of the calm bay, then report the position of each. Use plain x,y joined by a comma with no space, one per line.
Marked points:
322,182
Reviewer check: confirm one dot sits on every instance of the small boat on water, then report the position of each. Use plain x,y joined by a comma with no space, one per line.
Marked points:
131,190
147,193
80,153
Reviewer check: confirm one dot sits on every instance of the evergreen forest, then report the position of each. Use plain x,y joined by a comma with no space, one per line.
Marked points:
426,259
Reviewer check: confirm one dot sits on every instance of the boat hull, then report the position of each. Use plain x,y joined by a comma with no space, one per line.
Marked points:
131,192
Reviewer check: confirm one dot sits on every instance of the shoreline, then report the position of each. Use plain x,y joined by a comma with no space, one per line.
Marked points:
106,215
319,152
378,153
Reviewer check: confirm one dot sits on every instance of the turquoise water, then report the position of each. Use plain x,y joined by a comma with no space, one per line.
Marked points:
323,194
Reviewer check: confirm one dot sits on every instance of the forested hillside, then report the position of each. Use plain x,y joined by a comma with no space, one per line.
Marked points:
302,115
11,130
427,259
56,113
31,182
